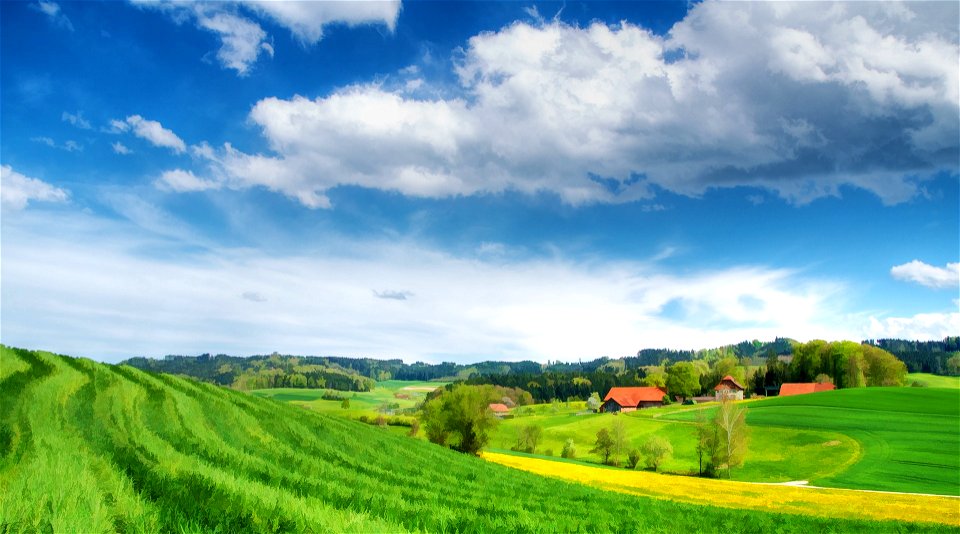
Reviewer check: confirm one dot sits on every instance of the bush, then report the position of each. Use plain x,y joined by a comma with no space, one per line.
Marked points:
414,427
548,452
918,384
633,458
655,450
569,450
666,400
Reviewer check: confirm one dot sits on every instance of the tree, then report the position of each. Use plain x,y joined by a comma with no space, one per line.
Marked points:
604,445
683,379
731,424
953,365
655,379
461,417
707,442
618,433
854,376
633,458
594,401
530,437
655,450
345,404
823,378
569,449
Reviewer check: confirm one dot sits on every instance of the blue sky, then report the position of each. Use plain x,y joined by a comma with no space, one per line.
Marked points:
475,180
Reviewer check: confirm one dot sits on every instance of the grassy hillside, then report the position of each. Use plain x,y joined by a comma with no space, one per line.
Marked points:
86,447
909,437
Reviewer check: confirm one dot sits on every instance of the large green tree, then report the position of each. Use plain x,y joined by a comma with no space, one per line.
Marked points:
461,417
683,379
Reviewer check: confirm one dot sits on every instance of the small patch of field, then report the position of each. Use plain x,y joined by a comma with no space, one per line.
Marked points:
934,381
745,495
388,397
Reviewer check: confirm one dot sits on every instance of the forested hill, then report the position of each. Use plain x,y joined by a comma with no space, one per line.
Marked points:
360,374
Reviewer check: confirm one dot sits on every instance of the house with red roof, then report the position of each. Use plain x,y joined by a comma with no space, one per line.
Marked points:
728,388
499,409
622,399
789,389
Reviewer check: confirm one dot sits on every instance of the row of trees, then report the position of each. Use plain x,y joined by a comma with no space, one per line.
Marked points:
843,363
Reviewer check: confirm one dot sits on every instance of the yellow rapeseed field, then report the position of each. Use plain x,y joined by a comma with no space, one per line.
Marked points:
733,494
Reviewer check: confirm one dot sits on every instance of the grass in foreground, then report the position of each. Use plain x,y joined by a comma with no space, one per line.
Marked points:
86,447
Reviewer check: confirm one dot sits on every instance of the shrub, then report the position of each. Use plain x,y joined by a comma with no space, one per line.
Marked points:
569,449
655,450
633,458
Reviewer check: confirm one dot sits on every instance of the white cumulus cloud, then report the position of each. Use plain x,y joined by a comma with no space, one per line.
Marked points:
17,190
737,94
924,274
923,326
152,131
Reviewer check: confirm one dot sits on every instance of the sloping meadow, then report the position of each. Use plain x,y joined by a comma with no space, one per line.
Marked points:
88,447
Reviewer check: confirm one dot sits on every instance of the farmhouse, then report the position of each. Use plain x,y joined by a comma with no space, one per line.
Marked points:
803,388
630,399
499,410
728,388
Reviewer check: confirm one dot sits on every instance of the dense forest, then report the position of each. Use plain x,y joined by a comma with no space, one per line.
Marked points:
924,356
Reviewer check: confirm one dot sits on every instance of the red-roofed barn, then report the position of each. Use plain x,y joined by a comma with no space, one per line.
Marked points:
630,399
803,388
499,409
728,388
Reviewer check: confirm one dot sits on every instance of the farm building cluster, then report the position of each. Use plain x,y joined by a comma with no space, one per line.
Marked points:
628,399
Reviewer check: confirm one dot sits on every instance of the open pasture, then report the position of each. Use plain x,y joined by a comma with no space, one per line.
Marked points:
909,438
402,394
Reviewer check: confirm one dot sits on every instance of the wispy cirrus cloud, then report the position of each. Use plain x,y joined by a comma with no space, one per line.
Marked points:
54,13
76,119
464,307
927,275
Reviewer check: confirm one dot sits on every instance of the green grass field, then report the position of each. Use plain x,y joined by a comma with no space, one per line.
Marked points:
406,394
909,438
773,458
934,381
88,447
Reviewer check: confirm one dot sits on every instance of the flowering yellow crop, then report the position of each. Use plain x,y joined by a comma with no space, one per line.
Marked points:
731,494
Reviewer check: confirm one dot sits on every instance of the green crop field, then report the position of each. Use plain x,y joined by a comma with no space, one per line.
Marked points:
773,457
401,393
88,447
909,438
